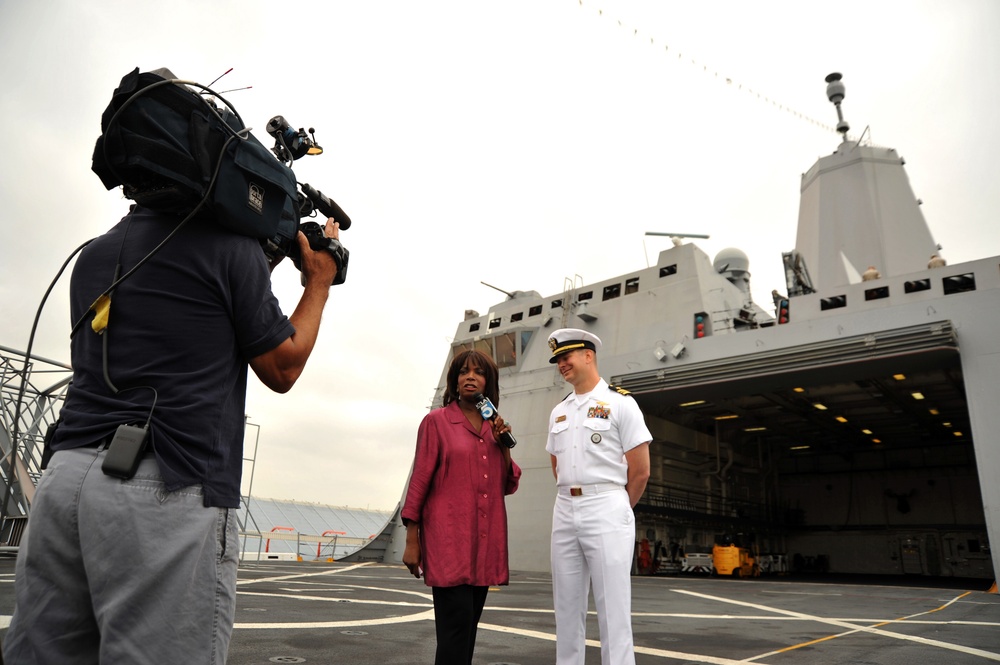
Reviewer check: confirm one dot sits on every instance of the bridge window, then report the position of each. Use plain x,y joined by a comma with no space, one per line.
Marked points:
535,311
631,285
959,283
666,271
612,291
833,302
877,293
506,351
917,285
500,347
516,316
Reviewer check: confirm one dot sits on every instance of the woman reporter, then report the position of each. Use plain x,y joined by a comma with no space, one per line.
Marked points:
455,516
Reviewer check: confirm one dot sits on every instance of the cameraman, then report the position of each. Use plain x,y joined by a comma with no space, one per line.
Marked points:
143,570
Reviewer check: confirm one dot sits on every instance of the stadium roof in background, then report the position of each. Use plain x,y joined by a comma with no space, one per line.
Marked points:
288,527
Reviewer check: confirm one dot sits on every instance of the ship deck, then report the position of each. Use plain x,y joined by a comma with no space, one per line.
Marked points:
360,614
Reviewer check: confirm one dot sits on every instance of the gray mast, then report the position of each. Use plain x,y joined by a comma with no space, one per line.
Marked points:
857,211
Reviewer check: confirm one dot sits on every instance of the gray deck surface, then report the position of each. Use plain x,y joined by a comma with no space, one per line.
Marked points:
361,614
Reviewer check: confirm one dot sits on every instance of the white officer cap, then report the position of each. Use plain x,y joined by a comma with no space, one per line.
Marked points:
568,339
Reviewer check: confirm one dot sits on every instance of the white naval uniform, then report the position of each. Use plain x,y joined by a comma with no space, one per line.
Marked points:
593,527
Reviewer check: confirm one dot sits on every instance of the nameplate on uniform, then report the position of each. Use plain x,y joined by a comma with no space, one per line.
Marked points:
559,419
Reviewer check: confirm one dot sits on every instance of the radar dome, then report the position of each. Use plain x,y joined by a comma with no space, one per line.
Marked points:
731,259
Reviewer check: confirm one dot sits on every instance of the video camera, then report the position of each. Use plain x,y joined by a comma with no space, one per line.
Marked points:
172,149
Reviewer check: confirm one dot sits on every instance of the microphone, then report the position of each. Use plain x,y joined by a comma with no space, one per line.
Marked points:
327,206
489,412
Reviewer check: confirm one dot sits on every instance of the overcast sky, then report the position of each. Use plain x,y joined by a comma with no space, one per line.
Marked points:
517,143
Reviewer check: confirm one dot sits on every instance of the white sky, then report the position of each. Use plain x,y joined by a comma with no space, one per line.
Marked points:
517,143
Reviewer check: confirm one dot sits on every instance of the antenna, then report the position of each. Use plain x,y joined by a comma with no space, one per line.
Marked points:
246,87
676,235
506,293
219,77
835,92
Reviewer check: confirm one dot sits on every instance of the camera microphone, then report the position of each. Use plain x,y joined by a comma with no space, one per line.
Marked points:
489,412
327,206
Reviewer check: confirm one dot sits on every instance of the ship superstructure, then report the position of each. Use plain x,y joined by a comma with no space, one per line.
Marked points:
854,430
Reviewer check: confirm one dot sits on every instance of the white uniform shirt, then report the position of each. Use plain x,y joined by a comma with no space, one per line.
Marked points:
590,434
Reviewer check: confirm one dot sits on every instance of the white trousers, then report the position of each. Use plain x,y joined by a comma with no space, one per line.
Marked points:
593,537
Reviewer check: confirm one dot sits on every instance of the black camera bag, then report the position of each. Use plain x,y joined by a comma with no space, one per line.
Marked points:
166,145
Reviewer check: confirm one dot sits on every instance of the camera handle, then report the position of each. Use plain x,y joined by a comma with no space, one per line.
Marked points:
319,241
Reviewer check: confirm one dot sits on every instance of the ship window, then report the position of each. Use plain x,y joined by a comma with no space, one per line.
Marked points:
535,311
557,303
833,302
474,327
666,271
612,291
482,345
959,283
631,285
877,293
917,285
525,338
585,296
506,353
516,316
494,323
485,346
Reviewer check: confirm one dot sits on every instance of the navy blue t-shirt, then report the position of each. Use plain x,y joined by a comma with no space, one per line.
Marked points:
186,324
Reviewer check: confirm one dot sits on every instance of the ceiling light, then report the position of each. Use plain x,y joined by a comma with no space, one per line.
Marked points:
841,419
731,416
866,431
933,412
876,440
899,377
799,390
701,401
917,395
957,433
819,406
754,429
798,447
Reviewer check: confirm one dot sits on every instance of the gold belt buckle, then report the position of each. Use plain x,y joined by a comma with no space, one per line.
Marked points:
576,491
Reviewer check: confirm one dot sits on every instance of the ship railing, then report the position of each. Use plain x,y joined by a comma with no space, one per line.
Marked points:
700,503
329,546
32,391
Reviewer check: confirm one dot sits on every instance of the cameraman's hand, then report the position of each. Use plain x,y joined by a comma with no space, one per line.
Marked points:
319,267
281,367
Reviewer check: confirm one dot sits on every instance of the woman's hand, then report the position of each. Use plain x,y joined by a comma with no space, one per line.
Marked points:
499,427
412,554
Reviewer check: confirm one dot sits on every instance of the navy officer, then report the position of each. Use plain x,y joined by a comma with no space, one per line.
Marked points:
599,444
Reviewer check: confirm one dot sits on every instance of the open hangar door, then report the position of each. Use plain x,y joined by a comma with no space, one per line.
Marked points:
839,461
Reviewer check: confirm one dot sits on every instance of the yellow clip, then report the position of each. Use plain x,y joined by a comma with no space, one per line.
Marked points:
102,310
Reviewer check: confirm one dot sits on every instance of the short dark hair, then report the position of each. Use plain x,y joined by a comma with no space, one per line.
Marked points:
483,362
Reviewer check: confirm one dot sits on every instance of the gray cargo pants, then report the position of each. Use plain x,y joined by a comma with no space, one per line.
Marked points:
113,571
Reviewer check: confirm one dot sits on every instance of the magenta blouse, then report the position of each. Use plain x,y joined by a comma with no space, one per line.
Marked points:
456,494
